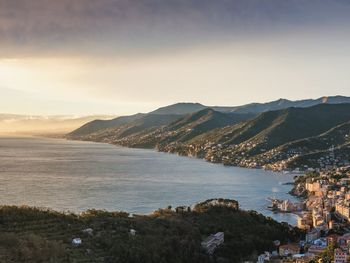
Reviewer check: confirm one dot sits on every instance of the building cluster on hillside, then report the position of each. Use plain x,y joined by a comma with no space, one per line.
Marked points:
325,217
253,154
332,160
310,250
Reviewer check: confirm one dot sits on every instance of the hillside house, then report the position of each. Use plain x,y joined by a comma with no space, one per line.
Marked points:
212,242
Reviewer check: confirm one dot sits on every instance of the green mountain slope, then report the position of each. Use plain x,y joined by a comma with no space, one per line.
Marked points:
167,235
183,129
274,128
272,138
141,124
182,109
337,136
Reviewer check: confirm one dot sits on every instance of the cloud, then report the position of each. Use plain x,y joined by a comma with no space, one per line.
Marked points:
117,26
124,56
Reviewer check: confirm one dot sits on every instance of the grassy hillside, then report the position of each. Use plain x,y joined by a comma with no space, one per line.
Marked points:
33,235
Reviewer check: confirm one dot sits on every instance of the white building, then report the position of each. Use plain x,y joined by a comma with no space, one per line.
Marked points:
212,242
264,257
132,232
77,242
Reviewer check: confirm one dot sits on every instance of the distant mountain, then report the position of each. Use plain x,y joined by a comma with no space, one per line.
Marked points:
255,108
97,125
283,104
180,109
121,127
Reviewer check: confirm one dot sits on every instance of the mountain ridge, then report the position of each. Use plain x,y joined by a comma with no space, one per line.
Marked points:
184,108
241,139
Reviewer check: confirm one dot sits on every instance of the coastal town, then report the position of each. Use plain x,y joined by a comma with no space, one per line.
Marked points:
323,213
254,155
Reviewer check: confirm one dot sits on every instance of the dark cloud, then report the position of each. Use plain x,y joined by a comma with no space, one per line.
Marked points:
91,25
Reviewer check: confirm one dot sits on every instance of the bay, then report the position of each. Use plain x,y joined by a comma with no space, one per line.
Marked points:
76,176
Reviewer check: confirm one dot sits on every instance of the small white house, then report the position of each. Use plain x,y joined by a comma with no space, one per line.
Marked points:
132,232
212,242
77,242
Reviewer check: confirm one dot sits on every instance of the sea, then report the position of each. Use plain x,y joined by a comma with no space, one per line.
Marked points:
75,176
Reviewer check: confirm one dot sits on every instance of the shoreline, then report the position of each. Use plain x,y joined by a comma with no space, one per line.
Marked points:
216,163
188,156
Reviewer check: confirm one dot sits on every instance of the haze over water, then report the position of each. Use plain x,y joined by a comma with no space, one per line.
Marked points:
75,176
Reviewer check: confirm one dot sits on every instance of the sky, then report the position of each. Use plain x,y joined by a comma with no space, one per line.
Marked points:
125,56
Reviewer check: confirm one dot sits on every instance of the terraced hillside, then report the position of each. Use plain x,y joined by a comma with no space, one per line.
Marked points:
174,236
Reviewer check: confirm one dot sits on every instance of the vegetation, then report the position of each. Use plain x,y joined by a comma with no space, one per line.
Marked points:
34,235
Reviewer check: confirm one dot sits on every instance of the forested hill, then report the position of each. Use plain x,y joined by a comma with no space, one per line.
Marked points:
168,235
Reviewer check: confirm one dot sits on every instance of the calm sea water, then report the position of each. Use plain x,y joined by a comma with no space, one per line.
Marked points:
75,176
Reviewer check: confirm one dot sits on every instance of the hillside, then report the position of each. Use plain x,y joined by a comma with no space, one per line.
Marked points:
123,127
283,104
33,235
270,139
182,109
179,109
251,108
97,125
336,136
183,129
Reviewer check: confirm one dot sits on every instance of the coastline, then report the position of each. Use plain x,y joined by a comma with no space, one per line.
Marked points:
183,155
216,163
